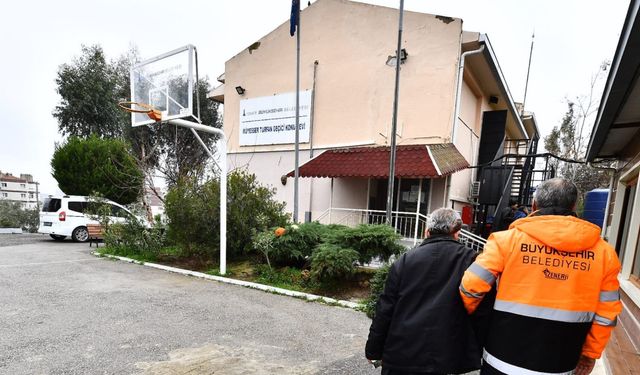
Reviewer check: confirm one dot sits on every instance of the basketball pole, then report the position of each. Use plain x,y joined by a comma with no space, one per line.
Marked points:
223,182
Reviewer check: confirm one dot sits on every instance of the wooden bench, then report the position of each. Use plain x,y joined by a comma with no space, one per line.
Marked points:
96,234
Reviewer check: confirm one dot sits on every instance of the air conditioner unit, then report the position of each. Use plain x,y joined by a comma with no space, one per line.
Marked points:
475,188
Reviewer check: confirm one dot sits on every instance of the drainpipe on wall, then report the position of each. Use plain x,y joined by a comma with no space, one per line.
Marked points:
456,110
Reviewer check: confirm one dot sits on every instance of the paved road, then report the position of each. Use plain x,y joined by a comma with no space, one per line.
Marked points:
64,311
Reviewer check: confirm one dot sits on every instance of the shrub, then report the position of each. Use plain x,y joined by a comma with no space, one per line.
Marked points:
376,288
370,241
132,238
331,262
13,215
298,242
263,242
193,213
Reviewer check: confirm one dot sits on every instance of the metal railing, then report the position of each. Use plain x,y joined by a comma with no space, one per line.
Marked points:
410,225
471,240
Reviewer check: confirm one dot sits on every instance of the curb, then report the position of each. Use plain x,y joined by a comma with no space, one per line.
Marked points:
246,284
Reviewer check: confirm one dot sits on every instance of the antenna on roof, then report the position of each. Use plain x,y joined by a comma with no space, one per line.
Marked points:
526,85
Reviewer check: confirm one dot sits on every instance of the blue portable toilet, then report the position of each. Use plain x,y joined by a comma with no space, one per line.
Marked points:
595,202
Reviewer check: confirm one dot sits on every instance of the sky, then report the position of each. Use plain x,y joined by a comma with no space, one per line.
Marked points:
572,39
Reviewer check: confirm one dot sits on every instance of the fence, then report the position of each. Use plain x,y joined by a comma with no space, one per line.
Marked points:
410,225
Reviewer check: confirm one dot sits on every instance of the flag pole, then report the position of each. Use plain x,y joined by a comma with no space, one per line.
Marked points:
392,158
297,147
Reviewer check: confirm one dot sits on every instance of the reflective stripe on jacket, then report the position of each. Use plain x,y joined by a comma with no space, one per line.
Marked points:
557,294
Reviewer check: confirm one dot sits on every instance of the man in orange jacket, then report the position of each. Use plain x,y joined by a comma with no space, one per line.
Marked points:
557,289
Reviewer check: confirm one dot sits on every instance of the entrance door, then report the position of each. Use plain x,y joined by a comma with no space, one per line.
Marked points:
407,201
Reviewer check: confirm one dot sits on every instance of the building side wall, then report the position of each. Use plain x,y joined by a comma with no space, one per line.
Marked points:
354,87
23,192
630,248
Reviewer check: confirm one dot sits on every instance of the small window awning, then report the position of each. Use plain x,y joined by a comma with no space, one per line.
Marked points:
412,161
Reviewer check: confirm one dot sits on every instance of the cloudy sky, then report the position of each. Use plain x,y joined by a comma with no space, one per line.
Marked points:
572,39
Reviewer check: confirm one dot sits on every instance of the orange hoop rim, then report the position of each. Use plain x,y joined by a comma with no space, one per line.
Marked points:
154,114
127,107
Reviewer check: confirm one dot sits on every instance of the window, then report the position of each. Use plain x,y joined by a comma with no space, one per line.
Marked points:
78,206
23,195
118,212
4,184
30,195
51,205
4,195
23,186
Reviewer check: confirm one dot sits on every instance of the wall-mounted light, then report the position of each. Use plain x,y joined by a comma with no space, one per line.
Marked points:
391,60
240,90
493,99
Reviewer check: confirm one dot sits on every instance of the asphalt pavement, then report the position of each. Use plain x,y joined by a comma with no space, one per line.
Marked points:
64,311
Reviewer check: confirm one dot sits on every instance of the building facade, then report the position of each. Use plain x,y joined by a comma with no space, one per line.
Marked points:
23,189
616,137
347,72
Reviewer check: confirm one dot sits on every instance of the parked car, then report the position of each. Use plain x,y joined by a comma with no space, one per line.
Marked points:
67,215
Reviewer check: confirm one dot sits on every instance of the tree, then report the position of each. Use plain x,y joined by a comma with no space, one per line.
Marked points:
90,89
569,140
193,210
95,166
14,215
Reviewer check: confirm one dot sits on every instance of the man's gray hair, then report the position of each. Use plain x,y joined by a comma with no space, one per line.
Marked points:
444,221
556,192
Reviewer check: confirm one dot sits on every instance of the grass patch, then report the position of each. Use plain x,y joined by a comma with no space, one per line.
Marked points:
129,253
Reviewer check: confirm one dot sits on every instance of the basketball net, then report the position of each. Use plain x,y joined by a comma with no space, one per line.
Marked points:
136,107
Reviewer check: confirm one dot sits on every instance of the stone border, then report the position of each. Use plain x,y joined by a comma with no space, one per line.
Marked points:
246,284
10,230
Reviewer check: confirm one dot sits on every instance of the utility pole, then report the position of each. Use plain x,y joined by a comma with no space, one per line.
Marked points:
392,158
526,85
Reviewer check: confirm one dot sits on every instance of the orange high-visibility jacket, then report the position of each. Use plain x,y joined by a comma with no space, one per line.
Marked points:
557,294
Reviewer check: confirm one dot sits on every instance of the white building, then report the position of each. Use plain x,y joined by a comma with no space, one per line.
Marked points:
19,189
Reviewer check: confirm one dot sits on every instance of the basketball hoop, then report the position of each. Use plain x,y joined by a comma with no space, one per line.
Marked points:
153,113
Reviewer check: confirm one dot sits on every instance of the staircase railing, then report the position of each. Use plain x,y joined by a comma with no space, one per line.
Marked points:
410,225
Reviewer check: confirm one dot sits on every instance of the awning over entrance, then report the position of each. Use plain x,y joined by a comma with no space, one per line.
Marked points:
412,161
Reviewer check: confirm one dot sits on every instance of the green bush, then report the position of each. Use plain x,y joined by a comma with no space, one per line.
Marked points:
193,213
13,215
263,242
370,241
133,238
97,166
299,242
332,262
376,288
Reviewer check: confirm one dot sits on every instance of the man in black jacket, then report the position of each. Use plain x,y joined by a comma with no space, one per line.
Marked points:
421,325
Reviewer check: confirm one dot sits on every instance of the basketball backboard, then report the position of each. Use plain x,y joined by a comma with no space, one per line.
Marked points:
166,83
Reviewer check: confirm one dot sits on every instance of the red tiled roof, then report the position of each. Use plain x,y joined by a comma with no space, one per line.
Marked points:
11,178
412,161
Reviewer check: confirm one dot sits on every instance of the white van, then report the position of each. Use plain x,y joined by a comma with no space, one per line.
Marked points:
65,216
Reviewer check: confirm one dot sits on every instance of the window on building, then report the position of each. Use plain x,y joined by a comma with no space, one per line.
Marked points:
23,195
4,195
635,271
30,195
4,184
23,186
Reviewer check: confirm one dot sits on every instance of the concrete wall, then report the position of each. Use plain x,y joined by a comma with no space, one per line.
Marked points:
354,86
315,193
